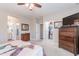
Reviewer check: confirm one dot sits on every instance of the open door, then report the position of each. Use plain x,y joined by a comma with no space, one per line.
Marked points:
41,31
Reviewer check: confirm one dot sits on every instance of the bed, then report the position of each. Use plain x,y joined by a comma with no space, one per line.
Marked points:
20,48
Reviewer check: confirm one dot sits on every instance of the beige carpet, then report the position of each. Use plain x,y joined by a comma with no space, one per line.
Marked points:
52,49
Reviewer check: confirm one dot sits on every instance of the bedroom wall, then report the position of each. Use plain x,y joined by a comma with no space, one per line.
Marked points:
56,17
33,22
3,27
35,27
32,28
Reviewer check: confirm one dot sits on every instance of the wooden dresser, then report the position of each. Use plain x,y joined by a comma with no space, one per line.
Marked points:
69,39
25,36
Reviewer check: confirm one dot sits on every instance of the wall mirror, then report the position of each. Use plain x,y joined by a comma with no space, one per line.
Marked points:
25,27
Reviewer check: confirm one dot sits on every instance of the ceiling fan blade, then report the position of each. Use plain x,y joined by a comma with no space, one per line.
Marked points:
20,3
37,5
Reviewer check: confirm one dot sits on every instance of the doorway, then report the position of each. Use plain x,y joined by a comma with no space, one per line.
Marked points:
41,31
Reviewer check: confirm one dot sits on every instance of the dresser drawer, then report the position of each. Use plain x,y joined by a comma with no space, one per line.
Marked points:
68,29
66,45
70,34
69,48
70,44
65,38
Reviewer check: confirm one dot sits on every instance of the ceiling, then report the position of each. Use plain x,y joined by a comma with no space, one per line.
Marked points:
47,9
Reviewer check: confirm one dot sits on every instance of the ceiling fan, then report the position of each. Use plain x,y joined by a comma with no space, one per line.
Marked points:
30,5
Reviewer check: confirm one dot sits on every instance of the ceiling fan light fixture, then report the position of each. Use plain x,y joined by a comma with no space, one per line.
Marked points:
27,4
31,6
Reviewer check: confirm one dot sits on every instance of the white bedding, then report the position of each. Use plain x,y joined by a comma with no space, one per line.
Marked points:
19,43
7,48
36,51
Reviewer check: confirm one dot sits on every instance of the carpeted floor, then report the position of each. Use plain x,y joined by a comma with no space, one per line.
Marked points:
52,49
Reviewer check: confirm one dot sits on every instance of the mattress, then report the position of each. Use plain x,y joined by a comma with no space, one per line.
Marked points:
22,49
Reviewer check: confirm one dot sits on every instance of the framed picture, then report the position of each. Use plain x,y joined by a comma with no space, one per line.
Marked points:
24,27
57,24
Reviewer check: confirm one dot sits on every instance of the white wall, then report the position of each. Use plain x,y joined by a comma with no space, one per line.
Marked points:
32,28
35,27
56,17
3,27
